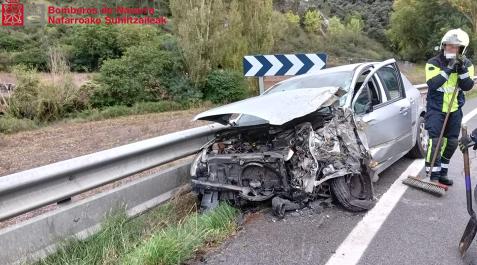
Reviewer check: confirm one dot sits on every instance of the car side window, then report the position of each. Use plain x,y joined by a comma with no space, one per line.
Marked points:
390,79
370,96
362,101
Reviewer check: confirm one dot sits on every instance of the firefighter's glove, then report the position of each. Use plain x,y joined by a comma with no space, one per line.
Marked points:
461,69
454,64
466,142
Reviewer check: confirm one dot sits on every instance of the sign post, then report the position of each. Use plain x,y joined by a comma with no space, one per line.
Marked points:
282,65
261,84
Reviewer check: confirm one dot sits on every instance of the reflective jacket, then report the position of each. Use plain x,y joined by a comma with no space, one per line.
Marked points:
441,82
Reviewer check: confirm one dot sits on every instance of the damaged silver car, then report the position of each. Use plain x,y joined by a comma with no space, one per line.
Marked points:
320,135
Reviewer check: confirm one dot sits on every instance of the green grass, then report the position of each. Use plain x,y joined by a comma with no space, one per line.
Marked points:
12,125
415,73
471,94
118,111
169,234
176,244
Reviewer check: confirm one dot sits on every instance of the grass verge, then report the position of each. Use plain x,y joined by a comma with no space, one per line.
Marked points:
415,73
169,234
118,111
472,93
176,244
12,125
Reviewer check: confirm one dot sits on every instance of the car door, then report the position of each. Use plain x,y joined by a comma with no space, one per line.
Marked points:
385,128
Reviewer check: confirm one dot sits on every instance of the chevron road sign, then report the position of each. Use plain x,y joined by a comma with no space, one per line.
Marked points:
283,64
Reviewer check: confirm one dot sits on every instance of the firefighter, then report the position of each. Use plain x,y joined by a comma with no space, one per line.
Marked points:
448,70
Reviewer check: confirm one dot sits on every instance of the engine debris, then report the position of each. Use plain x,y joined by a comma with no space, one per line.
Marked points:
293,163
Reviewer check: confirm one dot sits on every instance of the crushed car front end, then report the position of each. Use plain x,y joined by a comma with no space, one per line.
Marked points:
292,158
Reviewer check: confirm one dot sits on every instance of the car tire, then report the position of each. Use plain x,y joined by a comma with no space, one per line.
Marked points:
420,148
344,192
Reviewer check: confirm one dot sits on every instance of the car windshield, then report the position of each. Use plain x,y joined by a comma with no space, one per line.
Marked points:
340,79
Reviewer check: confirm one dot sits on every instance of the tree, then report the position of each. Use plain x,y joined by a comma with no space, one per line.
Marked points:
312,21
91,45
414,33
151,71
375,14
355,24
217,33
194,26
335,26
257,30
292,18
228,48
469,9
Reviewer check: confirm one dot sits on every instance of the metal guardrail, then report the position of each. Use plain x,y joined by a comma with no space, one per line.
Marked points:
423,87
37,187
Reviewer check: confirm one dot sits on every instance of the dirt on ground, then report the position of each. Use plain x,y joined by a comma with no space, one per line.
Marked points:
29,149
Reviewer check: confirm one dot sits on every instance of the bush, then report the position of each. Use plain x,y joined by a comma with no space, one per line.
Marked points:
225,86
312,21
347,38
42,101
11,40
132,35
21,103
6,61
11,124
82,100
35,58
91,45
149,72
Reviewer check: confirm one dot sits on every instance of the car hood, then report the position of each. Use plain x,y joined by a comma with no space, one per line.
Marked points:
276,108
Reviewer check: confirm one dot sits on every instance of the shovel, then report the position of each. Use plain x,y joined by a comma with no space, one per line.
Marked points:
471,228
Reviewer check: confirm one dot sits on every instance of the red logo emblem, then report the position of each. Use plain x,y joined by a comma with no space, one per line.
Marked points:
12,13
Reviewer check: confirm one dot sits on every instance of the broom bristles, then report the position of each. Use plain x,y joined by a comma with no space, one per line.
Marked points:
433,188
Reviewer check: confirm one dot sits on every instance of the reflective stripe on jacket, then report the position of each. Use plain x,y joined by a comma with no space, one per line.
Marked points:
442,81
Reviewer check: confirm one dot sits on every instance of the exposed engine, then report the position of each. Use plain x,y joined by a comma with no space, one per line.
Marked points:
294,161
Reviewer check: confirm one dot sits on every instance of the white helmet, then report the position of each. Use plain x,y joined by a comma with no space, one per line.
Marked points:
456,37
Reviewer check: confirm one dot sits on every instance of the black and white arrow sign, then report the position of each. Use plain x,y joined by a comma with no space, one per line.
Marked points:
283,64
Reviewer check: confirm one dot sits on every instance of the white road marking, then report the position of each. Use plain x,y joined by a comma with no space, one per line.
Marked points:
354,246
469,116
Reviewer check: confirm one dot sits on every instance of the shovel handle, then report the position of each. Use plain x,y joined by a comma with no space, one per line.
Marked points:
468,184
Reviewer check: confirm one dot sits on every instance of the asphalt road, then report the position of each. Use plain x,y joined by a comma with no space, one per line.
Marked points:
417,228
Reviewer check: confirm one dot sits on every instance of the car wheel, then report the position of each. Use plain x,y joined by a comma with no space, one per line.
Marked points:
420,148
353,192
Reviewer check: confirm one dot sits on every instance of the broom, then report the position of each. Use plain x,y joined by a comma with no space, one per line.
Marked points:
417,182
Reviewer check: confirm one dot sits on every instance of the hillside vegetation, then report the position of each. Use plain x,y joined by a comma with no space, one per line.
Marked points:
197,56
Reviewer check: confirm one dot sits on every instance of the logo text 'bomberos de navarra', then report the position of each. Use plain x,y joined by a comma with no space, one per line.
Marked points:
12,13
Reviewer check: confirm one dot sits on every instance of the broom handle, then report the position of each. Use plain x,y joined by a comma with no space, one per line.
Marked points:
468,185
438,146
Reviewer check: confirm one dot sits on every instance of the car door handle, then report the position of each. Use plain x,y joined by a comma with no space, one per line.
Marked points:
368,121
403,110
